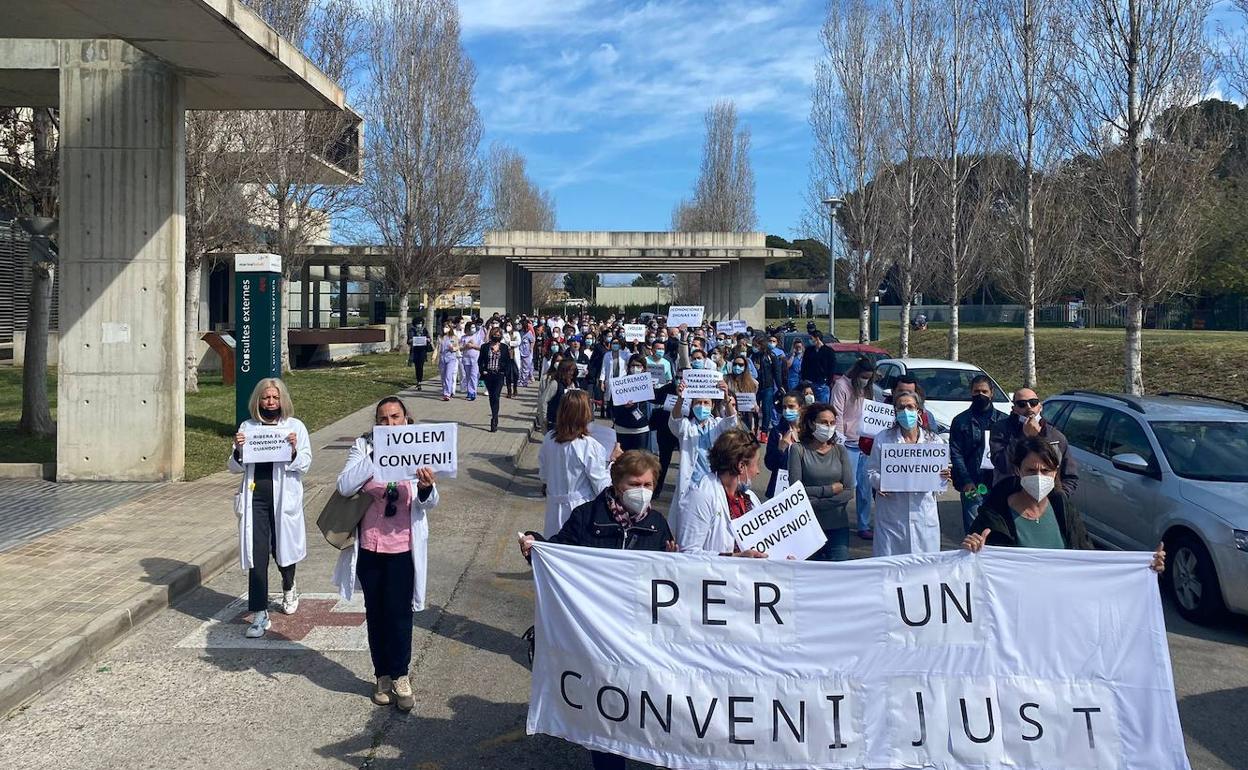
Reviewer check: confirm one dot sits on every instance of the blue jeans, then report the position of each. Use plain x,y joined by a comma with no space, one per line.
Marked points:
837,547
823,394
970,509
767,407
862,491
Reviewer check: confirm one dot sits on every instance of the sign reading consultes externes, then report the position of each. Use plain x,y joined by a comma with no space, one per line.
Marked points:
400,450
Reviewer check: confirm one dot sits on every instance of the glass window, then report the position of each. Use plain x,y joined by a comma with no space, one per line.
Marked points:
1206,451
1081,424
1123,435
950,384
1056,413
886,376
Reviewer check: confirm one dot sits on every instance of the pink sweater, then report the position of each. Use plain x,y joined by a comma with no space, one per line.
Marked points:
848,409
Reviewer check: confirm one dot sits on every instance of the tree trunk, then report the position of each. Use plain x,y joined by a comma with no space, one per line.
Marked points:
1133,373
36,415
403,315
953,331
907,294
1029,344
284,330
194,278
864,321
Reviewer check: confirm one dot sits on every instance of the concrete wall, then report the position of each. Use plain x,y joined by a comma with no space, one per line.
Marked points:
632,295
623,239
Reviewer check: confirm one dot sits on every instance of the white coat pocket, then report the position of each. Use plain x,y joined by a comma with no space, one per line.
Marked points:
240,500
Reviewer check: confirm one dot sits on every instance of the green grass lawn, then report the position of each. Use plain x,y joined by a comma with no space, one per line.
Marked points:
1213,363
320,395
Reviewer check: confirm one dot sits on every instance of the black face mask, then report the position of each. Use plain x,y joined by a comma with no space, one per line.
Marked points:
496,338
270,414
981,402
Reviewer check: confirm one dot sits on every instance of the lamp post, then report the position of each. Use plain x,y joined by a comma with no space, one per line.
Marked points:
834,205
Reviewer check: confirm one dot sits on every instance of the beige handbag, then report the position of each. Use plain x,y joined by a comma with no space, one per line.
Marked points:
340,518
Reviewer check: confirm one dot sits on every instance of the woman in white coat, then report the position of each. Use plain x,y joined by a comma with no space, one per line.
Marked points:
723,495
905,522
695,435
388,559
572,464
269,503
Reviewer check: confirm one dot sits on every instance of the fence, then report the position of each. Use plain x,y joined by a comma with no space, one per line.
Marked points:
1227,313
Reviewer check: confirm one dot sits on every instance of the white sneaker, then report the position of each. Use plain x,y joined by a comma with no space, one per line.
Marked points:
290,600
259,625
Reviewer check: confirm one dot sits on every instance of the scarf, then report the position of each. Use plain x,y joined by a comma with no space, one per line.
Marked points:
624,517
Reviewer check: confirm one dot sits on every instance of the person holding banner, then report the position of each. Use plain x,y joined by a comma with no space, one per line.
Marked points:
448,361
827,471
269,502
389,559
739,380
722,495
848,394
695,436
779,439
632,419
571,463
905,522
416,333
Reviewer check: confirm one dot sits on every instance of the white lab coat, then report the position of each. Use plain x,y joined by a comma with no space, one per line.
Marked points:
574,473
358,470
905,522
292,541
613,365
693,438
704,526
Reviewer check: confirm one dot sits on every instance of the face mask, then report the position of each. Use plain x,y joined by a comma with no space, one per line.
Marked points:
701,413
554,348
738,369
824,433
496,338
797,352
743,484
508,328
790,415
809,399
1038,486
589,340
636,499
907,419
270,414
615,346
636,369
697,363
980,402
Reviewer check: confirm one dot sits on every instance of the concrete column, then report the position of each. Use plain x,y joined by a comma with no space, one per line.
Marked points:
494,285
752,291
714,279
526,292
120,400
732,284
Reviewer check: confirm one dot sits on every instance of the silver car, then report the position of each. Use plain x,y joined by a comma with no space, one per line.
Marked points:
1169,468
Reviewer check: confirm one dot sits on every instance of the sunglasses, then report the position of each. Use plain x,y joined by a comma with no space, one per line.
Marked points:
1023,403
392,496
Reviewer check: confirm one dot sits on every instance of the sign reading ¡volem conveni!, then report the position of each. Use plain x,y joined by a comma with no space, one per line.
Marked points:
257,325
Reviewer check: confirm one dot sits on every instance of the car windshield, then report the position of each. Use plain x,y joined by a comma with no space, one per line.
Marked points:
951,384
845,359
1207,451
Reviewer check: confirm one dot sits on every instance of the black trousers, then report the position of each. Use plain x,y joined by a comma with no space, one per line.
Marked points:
419,362
387,580
513,377
264,545
667,445
494,386
632,441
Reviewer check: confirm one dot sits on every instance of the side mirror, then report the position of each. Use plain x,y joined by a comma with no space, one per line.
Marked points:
1132,463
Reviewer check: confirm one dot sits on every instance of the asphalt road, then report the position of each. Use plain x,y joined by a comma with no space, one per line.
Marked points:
183,692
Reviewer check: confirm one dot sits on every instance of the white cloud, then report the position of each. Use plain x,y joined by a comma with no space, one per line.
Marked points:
603,58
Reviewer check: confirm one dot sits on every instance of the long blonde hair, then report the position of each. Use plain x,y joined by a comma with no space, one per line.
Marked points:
253,404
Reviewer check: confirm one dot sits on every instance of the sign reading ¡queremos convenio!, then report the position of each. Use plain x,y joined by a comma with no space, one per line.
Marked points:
257,325
942,660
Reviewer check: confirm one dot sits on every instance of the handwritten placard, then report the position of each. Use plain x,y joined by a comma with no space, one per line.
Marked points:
265,445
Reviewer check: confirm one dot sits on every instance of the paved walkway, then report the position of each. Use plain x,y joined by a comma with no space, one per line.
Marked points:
67,596
30,508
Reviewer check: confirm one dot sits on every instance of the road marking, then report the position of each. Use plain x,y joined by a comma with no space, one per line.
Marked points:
324,622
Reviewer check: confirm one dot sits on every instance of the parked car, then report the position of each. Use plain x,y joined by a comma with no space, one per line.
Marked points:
946,385
846,353
1169,468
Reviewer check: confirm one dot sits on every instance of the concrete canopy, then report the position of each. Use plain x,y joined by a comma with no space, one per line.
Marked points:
627,252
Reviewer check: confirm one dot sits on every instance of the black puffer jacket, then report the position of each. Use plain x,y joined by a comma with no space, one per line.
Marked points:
995,515
591,525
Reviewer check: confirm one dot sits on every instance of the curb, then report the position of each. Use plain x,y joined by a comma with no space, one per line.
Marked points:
26,681
44,471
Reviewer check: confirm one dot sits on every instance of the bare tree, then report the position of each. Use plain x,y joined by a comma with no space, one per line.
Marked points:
909,97
1133,59
964,113
423,179
1038,248
723,196
515,200
848,118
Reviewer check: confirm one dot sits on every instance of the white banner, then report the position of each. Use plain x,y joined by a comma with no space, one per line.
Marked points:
685,314
400,450
746,402
782,527
669,404
265,445
1011,658
634,332
658,372
582,370
702,383
419,342
634,388
725,327
876,416
912,467
604,435
739,326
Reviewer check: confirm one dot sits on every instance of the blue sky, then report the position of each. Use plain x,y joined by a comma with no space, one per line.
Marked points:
605,98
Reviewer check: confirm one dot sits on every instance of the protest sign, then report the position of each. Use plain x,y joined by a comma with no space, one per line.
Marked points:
400,450
941,660
782,478
634,388
739,326
912,467
702,383
634,332
658,372
265,445
985,462
582,370
690,315
725,327
876,416
746,402
785,526
603,435
669,404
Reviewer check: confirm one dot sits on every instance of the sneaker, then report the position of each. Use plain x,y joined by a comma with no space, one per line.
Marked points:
404,696
866,534
259,624
290,600
381,695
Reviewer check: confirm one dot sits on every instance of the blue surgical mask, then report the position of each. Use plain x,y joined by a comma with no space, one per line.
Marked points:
697,363
701,413
615,346
790,415
907,419
554,348
738,369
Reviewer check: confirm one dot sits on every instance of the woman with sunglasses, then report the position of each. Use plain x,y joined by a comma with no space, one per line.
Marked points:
388,559
739,380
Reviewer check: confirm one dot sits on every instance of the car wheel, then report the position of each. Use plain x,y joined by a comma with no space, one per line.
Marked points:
1192,580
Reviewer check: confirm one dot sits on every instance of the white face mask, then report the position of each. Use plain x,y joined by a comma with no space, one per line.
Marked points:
824,433
636,499
1038,486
